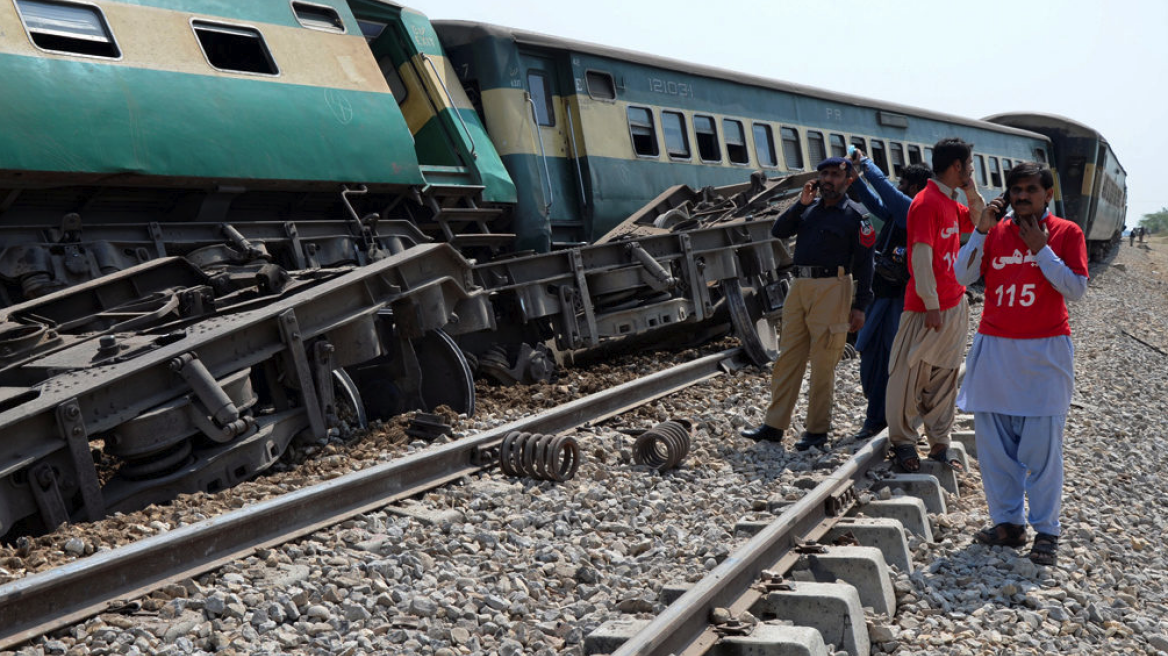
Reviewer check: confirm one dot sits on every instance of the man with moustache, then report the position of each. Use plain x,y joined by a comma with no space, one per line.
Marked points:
834,243
1019,375
926,354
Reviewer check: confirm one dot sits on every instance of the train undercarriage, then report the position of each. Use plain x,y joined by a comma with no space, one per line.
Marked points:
184,357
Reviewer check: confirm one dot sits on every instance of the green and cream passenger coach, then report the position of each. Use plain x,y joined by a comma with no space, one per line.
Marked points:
213,108
591,133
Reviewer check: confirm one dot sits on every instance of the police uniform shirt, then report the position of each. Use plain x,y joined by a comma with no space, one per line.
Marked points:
832,236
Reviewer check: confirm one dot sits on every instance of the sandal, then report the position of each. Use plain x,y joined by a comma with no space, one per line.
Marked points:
906,457
1003,535
943,456
1044,551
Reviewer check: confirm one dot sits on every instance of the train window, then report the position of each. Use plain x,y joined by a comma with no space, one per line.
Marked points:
1007,165
234,48
735,141
318,17
878,156
839,147
929,156
897,152
791,150
537,84
764,145
1040,155
979,164
676,135
707,135
370,30
816,150
600,85
643,132
393,79
858,142
995,173
69,28
914,154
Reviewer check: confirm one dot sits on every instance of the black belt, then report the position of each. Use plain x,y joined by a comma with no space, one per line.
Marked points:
817,272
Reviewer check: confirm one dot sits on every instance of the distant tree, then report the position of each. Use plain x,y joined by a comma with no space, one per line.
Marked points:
1156,221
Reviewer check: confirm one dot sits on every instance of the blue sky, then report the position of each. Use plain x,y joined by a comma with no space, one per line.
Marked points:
1099,63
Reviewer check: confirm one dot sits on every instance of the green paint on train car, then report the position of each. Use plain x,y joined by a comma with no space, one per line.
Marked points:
433,145
422,33
616,189
122,120
448,138
497,184
537,218
445,140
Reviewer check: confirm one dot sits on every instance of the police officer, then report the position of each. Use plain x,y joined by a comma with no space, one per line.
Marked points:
834,242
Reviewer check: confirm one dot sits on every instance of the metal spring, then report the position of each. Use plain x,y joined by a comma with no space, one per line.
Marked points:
664,446
543,457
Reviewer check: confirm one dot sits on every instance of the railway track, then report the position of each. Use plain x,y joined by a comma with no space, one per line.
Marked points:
58,598
709,611
43,602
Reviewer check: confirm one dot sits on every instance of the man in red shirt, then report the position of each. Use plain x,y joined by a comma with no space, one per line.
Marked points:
926,354
1020,372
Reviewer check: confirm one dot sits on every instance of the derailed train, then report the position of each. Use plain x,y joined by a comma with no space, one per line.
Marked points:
223,223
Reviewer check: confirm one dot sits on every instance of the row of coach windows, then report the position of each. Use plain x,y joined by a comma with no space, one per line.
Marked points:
890,156
706,137
1111,191
81,29
998,167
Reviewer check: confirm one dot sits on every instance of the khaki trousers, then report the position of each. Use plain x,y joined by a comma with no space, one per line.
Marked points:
815,329
922,375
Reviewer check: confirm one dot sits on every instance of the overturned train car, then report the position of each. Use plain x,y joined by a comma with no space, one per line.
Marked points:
227,225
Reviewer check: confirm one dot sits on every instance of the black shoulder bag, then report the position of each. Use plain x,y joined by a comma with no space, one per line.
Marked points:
889,264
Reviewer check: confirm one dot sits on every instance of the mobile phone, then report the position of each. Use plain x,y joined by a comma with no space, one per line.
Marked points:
1005,198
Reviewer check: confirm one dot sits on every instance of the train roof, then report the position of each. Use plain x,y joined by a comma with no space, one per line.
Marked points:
548,41
1033,120
1070,126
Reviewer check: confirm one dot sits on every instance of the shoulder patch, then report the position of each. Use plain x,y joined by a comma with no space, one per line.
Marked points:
867,234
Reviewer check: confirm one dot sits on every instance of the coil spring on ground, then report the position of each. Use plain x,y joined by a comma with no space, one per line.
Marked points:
664,446
543,457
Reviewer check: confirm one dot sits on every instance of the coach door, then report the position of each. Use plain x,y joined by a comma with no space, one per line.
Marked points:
550,157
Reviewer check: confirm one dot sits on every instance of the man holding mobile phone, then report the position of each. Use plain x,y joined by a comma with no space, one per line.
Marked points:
1019,374
926,353
834,244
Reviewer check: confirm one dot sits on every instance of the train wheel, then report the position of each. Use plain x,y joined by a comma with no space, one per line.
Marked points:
754,327
447,379
418,374
352,406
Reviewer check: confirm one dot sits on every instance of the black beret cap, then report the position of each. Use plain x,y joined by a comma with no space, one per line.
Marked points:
835,163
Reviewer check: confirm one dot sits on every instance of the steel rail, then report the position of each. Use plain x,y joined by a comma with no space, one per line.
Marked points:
65,595
684,627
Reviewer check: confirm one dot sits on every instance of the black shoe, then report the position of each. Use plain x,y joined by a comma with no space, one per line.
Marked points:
764,433
809,440
867,433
